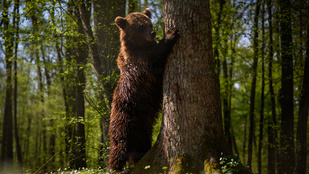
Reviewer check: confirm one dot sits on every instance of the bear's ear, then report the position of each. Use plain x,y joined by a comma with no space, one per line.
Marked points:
147,12
120,22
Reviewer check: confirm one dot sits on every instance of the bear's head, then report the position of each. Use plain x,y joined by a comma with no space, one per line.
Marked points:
136,28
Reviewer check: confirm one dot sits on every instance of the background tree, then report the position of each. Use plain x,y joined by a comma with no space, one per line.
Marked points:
6,159
16,20
286,92
301,137
261,122
253,83
272,132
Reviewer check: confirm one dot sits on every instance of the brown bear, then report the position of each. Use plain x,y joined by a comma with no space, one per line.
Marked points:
138,95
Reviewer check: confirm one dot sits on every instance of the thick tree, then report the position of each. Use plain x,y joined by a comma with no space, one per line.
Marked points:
191,137
286,138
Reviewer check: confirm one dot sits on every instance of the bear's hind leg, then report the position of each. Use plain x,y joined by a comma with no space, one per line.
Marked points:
118,156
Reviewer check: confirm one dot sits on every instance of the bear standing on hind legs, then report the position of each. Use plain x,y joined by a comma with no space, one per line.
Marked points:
138,95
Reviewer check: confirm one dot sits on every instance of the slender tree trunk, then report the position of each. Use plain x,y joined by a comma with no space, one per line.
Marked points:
226,104
191,97
26,147
17,143
62,80
245,139
286,93
262,94
231,84
81,59
40,80
69,85
272,132
52,138
6,159
253,83
301,137
99,63
217,39
45,63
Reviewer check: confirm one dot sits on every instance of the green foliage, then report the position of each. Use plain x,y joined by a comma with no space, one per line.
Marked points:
156,128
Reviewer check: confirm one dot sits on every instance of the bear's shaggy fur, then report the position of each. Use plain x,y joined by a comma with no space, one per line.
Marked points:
138,95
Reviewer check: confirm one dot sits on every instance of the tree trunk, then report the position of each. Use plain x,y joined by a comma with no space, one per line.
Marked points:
17,143
6,159
286,92
217,39
52,138
81,60
301,137
262,93
69,89
272,132
226,96
233,51
191,137
99,63
253,83
107,33
40,78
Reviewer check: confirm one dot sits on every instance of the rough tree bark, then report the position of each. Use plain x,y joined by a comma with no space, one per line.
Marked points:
191,137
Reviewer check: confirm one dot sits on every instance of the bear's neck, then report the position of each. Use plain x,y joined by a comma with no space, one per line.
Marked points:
130,51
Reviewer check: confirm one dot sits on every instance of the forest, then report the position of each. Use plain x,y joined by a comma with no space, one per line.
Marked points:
236,86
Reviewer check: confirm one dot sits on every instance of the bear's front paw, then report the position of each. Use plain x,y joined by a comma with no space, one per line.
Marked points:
172,34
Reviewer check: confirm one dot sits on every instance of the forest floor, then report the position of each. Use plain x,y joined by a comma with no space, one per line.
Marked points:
83,171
